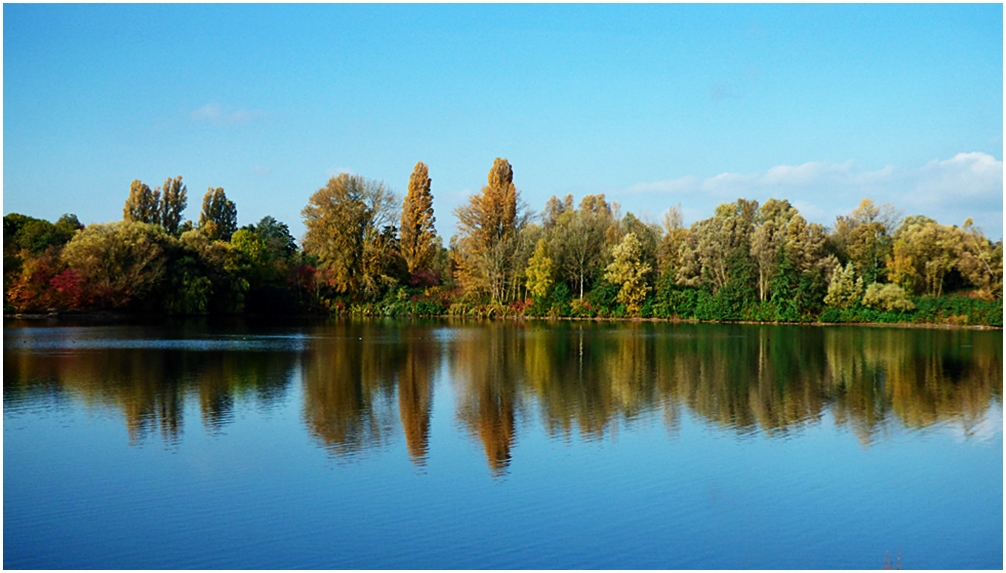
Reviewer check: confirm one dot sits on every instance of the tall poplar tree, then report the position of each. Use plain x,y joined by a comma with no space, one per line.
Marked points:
173,203
219,218
142,205
418,237
488,234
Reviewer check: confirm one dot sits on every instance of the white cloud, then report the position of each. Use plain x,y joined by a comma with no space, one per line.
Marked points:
965,174
220,115
728,184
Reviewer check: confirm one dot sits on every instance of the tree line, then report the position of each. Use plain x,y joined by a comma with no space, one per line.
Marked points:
367,252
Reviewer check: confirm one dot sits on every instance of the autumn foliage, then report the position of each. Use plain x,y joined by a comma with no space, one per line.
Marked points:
365,253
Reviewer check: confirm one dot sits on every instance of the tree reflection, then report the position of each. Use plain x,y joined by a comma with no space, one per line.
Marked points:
149,385
415,392
351,373
362,379
349,381
486,367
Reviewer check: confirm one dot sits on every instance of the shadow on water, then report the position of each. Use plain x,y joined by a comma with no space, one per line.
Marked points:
366,383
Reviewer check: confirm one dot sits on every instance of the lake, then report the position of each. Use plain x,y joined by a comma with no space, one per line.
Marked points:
449,444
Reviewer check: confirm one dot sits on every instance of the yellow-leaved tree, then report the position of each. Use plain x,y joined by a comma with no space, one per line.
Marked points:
418,238
350,229
487,239
539,270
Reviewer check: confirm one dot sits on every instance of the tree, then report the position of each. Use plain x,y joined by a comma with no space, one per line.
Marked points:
487,237
173,203
864,238
578,239
37,235
539,271
981,262
276,236
628,271
719,249
924,252
350,229
648,235
844,290
419,242
674,235
770,233
219,217
887,298
554,208
220,262
142,205
118,264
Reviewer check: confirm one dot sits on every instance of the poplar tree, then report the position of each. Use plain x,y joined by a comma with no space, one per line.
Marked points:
418,237
142,205
488,234
173,203
219,218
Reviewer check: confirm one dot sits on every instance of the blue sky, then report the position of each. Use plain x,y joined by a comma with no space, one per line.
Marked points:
653,105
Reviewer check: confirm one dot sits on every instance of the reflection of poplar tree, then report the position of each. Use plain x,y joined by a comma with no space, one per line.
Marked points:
415,397
489,370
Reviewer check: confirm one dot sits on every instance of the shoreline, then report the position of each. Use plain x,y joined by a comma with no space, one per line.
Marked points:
104,316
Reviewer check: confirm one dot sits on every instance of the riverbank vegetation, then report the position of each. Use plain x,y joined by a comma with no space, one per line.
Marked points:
366,252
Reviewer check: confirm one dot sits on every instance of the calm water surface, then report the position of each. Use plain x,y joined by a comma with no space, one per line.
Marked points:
500,445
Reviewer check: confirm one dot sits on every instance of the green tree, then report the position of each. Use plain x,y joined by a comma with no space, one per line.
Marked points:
675,234
578,239
981,261
770,234
419,241
276,236
887,298
845,289
648,235
219,217
923,253
718,250
223,264
628,271
864,238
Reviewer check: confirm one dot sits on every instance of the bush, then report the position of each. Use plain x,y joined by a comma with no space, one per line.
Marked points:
887,297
